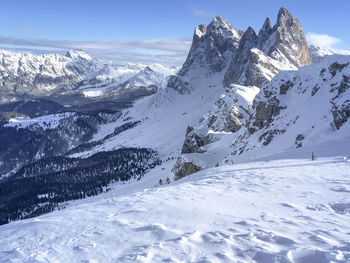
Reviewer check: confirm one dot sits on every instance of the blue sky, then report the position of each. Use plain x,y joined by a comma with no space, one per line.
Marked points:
154,30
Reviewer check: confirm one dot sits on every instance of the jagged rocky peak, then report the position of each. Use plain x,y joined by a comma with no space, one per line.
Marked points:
245,58
209,45
249,38
212,49
279,47
224,34
265,30
219,21
284,17
290,39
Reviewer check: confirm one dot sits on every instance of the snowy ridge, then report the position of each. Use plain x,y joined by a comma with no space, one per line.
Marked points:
25,76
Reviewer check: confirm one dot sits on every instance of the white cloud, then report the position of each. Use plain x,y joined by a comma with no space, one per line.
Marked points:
199,12
326,41
202,14
322,40
166,51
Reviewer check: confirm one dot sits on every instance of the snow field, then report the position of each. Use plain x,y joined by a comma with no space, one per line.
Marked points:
278,211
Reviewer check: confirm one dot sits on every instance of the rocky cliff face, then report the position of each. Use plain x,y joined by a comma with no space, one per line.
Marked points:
213,46
276,48
243,57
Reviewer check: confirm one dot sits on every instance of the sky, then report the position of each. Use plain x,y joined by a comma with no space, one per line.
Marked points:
149,31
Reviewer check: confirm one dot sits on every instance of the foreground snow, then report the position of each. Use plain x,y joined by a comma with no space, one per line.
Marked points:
277,211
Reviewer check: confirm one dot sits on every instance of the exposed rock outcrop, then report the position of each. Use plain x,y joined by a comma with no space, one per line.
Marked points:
183,168
194,141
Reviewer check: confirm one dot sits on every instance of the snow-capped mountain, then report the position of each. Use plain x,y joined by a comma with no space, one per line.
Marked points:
112,80
27,76
317,53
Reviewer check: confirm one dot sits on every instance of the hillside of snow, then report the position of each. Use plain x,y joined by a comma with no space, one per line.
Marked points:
296,211
301,111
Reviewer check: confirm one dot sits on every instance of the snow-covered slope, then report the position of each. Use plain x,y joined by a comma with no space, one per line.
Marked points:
308,108
293,211
164,118
252,192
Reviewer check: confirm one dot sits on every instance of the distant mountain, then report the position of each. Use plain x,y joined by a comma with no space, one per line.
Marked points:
317,53
27,76
113,80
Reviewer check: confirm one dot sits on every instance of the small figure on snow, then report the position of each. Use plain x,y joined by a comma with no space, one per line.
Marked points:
160,181
313,156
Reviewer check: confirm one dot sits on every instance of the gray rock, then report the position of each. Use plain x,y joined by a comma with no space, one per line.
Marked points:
298,140
341,114
183,168
194,141
264,112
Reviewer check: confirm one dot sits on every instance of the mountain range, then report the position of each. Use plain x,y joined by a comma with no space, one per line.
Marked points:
72,127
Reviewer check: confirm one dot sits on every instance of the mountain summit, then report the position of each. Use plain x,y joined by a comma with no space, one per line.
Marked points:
243,57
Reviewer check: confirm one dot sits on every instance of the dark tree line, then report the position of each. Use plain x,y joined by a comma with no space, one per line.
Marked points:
40,187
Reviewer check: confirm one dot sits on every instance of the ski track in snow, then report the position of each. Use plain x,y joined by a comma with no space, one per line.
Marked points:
277,211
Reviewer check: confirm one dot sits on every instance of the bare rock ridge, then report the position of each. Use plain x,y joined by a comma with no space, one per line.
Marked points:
284,43
244,57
